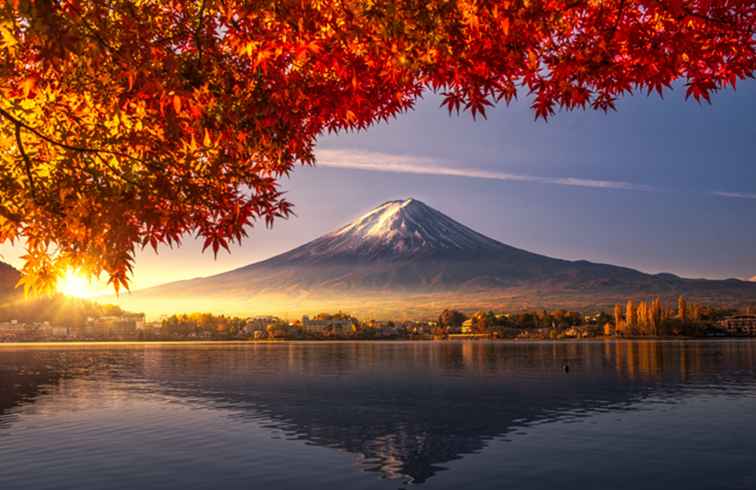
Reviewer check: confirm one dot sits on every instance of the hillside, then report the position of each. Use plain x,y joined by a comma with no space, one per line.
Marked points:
8,279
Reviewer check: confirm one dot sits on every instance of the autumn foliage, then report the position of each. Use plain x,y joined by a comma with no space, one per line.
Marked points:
134,123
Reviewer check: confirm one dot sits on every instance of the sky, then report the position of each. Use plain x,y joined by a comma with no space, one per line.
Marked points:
660,185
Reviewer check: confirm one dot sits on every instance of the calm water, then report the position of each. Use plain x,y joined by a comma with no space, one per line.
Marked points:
476,415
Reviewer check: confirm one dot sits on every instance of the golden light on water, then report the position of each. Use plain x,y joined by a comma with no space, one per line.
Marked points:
75,284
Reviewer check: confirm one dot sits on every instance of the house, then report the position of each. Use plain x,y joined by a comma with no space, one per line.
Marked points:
739,325
467,326
328,326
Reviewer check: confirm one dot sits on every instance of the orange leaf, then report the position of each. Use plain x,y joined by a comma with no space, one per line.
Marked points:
177,104
131,76
28,85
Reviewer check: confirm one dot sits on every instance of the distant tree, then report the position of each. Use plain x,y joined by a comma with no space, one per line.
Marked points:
682,309
695,312
451,318
483,321
631,317
642,318
618,318
656,316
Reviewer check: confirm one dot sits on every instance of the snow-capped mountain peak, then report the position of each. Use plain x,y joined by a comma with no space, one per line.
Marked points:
391,220
405,228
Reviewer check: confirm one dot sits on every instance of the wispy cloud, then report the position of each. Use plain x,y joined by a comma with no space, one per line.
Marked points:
384,162
409,164
735,195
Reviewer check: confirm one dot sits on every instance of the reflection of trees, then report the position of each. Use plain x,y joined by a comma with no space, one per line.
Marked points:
404,409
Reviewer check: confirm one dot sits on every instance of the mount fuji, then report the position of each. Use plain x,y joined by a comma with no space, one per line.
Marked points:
405,258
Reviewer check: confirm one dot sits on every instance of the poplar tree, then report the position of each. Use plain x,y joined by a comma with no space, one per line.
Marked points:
631,317
682,309
618,323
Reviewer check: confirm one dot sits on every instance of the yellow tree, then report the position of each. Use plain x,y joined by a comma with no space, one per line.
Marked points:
618,322
656,316
631,318
642,315
682,309
695,312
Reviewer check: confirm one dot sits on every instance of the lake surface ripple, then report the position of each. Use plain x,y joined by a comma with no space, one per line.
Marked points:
380,415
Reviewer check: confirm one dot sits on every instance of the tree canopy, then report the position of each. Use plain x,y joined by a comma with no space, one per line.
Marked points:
132,123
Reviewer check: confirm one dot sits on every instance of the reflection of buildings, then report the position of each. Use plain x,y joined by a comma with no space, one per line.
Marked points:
740,325
405,410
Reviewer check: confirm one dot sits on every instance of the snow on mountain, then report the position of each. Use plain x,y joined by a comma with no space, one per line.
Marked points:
399,230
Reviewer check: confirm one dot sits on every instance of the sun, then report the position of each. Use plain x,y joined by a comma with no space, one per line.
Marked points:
75,284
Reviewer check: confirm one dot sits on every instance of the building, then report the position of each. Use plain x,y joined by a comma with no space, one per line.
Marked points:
257,327
330,326
114,327
467,326
739,325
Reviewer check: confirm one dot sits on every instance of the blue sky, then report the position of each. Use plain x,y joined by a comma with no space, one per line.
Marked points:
660,185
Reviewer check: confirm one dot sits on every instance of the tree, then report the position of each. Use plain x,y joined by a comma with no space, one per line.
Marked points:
642,318
695,312
618,323
483,321
451,318
631,317
682,309
128,124
656,316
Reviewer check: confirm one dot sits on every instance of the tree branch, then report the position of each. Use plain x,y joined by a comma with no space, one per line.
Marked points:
620,13
80,149
197,34
27,162
10,215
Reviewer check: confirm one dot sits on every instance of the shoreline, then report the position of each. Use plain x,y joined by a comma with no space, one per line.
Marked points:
126,343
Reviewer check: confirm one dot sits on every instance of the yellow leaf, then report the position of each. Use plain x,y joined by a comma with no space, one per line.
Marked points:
6,35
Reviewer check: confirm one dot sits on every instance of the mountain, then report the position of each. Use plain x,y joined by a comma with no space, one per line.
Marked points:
405,258
8,278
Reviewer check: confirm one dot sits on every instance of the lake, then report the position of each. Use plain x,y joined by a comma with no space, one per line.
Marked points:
380,415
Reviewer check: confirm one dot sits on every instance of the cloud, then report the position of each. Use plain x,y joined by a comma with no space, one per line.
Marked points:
384,162
408,164
735,195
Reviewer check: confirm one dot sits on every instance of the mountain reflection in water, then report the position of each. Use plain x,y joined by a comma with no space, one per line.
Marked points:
403,410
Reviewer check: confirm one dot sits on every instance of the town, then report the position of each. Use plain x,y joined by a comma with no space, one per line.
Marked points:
643,319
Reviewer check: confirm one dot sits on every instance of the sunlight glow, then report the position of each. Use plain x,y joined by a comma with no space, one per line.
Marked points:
77,285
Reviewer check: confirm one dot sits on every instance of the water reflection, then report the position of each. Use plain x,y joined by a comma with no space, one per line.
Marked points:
403,410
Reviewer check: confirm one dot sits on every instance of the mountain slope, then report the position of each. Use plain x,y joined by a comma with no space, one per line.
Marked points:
405,255
8,278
